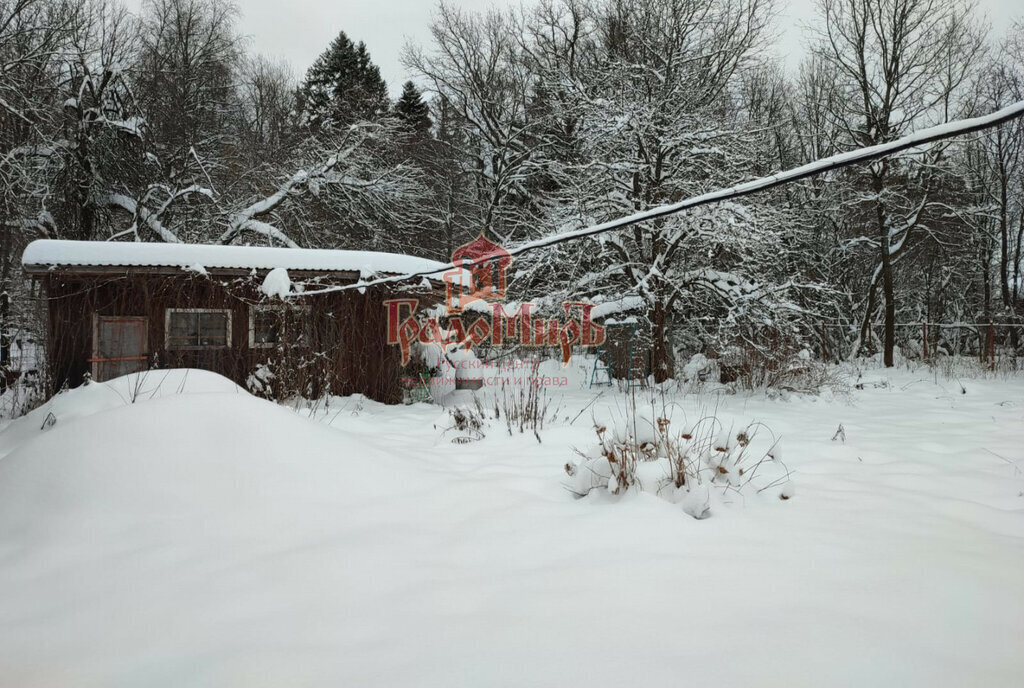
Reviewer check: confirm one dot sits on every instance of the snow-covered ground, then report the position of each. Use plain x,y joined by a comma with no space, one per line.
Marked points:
179,531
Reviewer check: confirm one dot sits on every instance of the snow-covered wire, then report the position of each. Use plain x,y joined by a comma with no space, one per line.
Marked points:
860,155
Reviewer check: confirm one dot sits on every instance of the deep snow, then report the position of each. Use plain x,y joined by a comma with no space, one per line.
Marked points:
200,536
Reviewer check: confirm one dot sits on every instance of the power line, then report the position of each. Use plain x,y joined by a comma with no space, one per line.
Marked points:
834,162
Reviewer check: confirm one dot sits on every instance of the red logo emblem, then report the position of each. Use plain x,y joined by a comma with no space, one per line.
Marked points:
480,274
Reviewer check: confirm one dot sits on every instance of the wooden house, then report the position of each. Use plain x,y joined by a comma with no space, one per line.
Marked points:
114,308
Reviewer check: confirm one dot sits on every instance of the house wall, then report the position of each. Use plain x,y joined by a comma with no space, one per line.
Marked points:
348,352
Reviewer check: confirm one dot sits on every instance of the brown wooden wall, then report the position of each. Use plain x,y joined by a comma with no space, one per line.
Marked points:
348,353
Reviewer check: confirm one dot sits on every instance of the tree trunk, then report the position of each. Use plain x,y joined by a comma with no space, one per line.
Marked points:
986,285
5,298
5,332
662,356
865,324
890,309
1004,247
1016,262
888,292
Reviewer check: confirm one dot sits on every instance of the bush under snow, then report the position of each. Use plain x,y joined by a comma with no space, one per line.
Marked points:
693,464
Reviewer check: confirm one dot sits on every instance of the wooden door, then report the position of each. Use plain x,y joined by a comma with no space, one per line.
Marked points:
120,346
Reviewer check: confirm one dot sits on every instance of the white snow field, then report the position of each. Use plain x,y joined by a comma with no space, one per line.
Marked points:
176,531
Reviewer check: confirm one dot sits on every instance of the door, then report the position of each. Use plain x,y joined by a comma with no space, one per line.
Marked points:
120,346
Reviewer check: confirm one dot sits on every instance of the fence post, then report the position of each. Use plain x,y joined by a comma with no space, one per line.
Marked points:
924,338
991,346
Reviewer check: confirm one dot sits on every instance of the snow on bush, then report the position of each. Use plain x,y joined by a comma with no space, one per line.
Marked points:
468,421
260,381
779,364
692,464
277,283
701,369
23,387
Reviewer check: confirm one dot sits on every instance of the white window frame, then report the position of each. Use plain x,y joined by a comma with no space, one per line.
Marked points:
253,309
167,329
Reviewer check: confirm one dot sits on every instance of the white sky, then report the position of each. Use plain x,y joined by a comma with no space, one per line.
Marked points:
299,30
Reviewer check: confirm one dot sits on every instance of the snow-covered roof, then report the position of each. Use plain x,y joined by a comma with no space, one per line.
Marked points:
47,254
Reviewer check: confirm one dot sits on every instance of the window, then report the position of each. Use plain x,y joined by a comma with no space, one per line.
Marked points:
264,327
119,346
271,326
198,328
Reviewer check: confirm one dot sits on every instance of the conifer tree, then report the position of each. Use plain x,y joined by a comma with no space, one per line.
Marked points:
342,86
412,109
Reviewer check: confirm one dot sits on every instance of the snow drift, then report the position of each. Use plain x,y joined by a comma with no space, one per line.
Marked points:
199,536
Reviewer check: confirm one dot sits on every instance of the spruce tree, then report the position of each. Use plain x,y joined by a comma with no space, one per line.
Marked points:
342,86
411,109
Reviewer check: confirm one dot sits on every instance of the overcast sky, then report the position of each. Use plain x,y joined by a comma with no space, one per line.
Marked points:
299,30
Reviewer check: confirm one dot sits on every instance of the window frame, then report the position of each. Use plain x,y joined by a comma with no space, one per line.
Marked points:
96,363
198,347
304,309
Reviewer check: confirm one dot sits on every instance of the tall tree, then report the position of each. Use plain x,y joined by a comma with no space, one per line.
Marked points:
412,109
343,86
189,65
266,112
102,125
657,123
899,64
478,71
1000,84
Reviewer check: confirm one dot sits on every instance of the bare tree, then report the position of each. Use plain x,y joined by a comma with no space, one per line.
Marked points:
266,111
187,75
102,125
899,64
32,35
1003,160
654,108
336,199
477,68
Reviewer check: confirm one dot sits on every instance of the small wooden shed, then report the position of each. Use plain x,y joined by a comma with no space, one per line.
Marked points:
115,307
